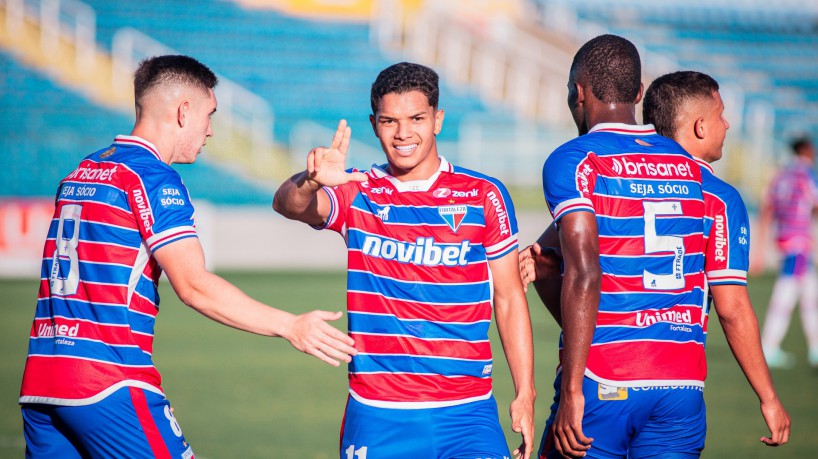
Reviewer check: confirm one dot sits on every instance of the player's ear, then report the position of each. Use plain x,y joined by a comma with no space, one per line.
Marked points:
181,113
641,92
699,128
372,121
439,115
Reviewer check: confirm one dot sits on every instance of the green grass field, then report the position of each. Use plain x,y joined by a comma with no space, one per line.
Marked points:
240,395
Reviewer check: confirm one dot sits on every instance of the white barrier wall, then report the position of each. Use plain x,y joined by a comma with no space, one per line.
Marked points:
234,238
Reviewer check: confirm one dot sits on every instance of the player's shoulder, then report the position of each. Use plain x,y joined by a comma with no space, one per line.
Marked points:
725,192
473,179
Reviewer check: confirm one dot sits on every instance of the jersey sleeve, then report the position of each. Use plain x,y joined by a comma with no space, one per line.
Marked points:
161,204
340,198
728,244
501,222
565,178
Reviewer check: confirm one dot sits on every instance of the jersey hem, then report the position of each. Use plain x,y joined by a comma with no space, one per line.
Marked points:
416,405
98,397
644,382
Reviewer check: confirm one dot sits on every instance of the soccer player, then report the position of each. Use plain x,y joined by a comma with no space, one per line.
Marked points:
791,202
431,247
122,217
629,211
687,107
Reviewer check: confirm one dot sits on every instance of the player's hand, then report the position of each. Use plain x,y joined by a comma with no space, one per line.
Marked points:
522,422
310,333
537,263
567,427
326,166
778,421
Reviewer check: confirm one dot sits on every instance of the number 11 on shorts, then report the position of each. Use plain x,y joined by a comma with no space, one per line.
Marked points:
353,453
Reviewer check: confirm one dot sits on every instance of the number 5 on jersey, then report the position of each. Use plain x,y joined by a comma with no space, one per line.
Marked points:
655,244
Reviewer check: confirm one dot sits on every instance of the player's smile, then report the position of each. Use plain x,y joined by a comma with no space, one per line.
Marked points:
407,125
406,150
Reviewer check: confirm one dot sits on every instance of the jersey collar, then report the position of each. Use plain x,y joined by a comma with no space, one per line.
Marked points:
139,142
704,164
628,129
413,185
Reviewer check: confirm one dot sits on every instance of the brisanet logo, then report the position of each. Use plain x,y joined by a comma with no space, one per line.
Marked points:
425,251
644,168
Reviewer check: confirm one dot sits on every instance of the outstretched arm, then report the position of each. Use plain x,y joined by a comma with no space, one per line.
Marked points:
740,325
514,325
299,199
540,265
214,297
579,239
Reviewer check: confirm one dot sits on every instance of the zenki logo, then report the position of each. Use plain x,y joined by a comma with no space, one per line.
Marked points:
642,167
441,193
473,193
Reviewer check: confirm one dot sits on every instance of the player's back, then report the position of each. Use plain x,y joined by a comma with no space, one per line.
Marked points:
645,191
793,194
94,321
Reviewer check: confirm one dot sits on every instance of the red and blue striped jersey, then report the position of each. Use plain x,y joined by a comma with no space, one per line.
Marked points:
727,231
419,291
645,192
93,326
793,194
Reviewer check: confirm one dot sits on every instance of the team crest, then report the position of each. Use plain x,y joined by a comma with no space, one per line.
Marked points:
453,215
107,152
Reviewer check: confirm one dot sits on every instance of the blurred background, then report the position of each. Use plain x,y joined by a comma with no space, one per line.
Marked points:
290,69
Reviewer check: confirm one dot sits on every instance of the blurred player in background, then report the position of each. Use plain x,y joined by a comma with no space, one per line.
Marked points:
122,217
629,211
431,247
790,203
687,107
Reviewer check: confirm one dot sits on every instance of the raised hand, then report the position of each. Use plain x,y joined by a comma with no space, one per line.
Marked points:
326,166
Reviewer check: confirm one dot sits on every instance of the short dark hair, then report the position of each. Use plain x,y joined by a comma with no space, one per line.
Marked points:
402,78
799,144
669,92
172,69
612,68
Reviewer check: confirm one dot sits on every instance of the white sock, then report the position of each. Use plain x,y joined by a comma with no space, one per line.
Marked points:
782,302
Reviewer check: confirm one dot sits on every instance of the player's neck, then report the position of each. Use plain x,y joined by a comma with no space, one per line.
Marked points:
154,136
611,113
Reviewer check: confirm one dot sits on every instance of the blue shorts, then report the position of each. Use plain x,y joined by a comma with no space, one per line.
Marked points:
131,422
796,264
469,431
637,422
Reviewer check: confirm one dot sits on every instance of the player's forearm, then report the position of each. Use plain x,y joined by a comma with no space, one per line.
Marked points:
740,325
297,196
222,302
578,322
514,326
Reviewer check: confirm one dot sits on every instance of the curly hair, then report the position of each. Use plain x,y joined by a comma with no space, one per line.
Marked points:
612,68
402,78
